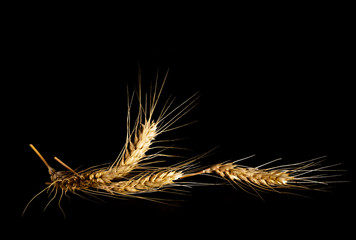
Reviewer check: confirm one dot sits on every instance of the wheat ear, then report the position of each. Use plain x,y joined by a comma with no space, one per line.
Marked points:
138,140
253,176
300,175
147,183
135,151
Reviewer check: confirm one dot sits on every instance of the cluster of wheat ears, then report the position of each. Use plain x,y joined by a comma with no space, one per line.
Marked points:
134,172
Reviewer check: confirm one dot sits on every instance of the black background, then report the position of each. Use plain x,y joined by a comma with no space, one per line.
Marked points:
275,85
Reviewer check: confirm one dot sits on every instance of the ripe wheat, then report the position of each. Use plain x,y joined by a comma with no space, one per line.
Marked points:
134,173
148,183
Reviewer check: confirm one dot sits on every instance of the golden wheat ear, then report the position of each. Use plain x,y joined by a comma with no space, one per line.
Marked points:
310,175
149,124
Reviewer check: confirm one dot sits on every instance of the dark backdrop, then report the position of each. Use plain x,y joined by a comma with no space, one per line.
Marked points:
276,88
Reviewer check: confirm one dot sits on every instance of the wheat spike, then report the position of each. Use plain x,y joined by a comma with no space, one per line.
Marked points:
258,177
138,140
300,175
135,151
146,183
